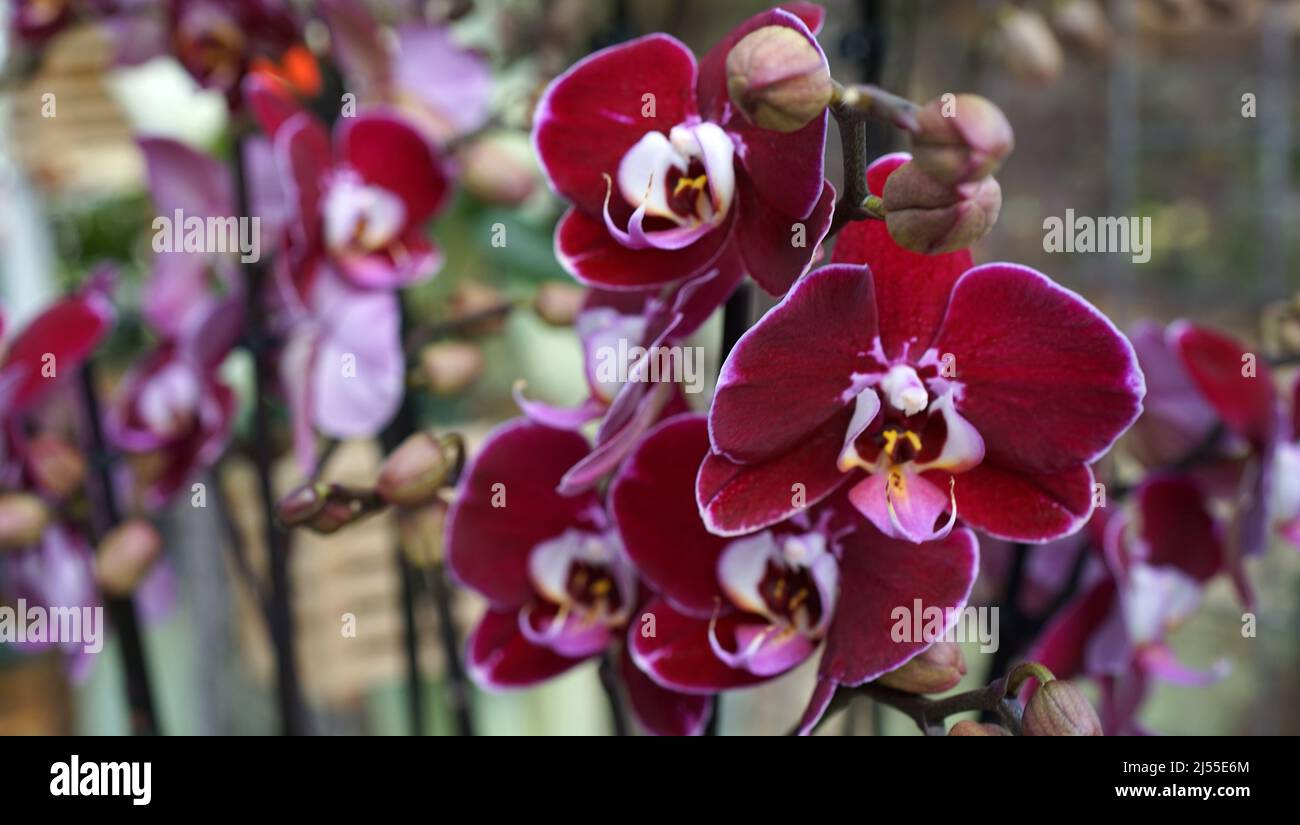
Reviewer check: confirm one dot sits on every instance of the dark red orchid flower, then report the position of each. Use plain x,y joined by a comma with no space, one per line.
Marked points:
736,611
559,589
221,41
1213,415
56,343
359,206
928,385
650,325
666,175
1150,567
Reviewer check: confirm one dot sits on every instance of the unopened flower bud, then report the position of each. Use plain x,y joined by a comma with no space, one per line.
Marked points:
422,531
937,669
498,168
960,138
925,216
326,508
23,518
969,727
414,472
778,78
484,304
126,556
1058,708
1083,23
1027,46
451,366
57,467
558,303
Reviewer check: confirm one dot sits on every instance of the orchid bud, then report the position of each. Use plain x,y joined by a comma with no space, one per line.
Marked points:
1058,708
498,169
778,78
23,518
960,139
485,304
57,467
1027,46
451,366
939,668
422,529
326,508
1083,23
558,303
969,727
126,555
414,472
925,216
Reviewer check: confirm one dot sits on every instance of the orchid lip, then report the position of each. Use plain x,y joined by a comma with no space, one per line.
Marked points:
584,574
686,178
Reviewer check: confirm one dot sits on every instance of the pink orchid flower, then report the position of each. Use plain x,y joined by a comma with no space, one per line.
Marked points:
736,611
665,175
929,386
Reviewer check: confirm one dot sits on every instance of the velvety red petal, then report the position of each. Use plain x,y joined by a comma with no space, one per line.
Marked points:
912,289
67,332
787,168
766,237
1020,506
520,464
269,101
302,154
499,657
660,711
740,498
1176,527
823,693
1062,648
1048,380
1245,400
794,369
390,153
591,115
880,575
653,501
678,656
589,253
1175,420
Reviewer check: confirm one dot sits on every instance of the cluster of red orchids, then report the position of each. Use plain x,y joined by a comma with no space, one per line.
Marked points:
899,408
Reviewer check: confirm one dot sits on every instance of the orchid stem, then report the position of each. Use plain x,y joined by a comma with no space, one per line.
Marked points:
929,714
609,682
121,609
280,610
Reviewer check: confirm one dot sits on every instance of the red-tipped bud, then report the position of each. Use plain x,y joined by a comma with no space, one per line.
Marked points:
1059,708
415,471
450,367
326,508
960,138
23,518
778,78
967,727
57,467
126,556
1027,46
925,216
936,670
